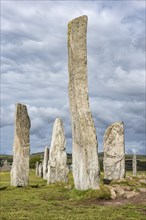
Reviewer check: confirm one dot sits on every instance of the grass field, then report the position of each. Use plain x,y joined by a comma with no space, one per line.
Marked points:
60,201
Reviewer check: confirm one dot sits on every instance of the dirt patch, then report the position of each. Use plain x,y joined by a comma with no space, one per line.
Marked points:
139,199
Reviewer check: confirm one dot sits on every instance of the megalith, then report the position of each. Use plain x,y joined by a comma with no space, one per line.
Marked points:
134,165
114,152
85,157
37,168
21,147
40,170
57,165
5,167
45,163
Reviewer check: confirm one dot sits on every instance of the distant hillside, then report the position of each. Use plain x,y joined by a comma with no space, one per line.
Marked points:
141,160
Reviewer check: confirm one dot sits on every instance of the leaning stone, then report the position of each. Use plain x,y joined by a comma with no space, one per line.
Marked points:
21,148
85,157
114,152
45,163
57,165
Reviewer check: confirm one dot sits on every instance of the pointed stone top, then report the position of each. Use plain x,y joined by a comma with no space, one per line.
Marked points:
115,124
110,131
58,121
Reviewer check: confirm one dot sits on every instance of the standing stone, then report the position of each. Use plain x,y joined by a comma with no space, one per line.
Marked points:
57,165
114,152
37,168
45,163
21,147
85,157
134,165
6,166
40,170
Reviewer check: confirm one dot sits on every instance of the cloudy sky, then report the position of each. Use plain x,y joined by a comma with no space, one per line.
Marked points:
34,69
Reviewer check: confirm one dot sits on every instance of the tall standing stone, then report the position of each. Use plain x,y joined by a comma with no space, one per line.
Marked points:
45,163
134,165
37,168
57,165
85,157
40,170
114,152
21,147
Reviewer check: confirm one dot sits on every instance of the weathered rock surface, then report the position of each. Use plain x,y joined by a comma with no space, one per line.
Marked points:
142,190
118,191
142,181
113,194
114,152
37,168
21,147
6,166
85,157
40,170
45,163
57,165
134,165
130,194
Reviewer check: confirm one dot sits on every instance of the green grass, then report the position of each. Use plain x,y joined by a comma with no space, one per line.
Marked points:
57,202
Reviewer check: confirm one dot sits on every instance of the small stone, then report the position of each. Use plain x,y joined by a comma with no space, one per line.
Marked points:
143,181
68,187
130,194
120,191
142,189
113,194
127,188
121,180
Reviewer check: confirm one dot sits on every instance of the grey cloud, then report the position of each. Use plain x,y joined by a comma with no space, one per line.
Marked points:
35,69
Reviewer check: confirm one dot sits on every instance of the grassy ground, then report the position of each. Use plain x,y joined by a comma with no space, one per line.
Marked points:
60,202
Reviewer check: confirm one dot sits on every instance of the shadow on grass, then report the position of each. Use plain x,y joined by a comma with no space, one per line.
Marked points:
3,188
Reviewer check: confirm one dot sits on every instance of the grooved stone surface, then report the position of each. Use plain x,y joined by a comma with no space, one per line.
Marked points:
85,157
21,147
57,165
114,152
